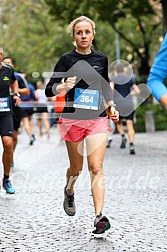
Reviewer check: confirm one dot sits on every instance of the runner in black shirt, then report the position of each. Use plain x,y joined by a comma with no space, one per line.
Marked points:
23,90
85,74
123,86
7,80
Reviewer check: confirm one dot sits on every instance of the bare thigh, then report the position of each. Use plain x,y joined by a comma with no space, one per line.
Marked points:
96,146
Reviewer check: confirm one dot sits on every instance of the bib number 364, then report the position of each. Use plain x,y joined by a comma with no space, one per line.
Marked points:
86,99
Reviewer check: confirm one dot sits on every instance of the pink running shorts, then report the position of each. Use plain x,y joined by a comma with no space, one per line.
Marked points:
76,130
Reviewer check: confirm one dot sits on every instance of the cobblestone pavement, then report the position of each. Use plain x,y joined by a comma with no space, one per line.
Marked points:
136,199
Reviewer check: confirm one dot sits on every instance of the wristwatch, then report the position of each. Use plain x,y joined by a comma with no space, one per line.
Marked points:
17,94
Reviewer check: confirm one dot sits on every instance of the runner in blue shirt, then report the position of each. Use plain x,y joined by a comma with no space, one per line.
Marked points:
158,73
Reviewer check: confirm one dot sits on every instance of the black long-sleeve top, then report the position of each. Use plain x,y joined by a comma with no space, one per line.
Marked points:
91,71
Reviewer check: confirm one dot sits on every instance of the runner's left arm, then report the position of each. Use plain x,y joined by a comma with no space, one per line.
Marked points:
15,88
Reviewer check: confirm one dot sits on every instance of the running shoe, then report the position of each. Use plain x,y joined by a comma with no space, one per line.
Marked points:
32,139
101,224
108,143
123,143
8,186
131,149
69,204
33,136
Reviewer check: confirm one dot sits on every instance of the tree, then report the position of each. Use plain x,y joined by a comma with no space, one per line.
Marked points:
30,36
134,21
164,12
33,31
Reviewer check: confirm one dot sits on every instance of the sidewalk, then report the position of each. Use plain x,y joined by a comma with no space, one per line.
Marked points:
136,199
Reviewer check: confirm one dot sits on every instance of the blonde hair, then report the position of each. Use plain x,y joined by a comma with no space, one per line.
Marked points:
71,26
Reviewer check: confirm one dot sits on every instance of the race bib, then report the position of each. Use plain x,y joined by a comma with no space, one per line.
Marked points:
4,104
86,99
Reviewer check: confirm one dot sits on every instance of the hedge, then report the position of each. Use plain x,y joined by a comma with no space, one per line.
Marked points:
160,117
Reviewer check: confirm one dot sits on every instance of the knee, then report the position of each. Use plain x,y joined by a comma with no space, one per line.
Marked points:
8,146
96,169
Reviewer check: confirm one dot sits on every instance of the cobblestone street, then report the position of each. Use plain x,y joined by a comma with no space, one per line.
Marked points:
33,219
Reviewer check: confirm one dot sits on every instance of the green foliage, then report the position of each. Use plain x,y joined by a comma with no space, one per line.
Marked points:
33,31
160,117
137,22
30,36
